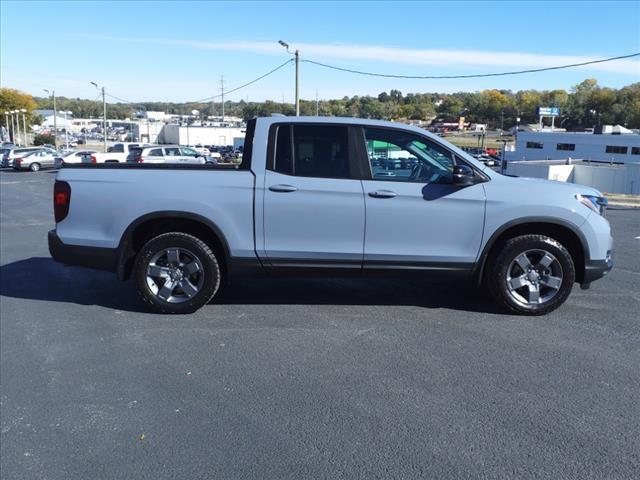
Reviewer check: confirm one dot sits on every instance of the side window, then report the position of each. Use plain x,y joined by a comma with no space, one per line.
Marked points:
321,151
156,152
189,152
316,151
172,151
397,155
284,158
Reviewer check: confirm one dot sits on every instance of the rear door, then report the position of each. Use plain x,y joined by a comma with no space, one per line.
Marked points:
155,155
313,200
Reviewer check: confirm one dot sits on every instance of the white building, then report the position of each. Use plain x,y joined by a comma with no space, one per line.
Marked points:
198,135
606,177
550,145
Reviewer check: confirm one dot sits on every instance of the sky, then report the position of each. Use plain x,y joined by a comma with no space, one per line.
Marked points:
177,51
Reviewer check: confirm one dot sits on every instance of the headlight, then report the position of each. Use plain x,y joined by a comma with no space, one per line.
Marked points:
597,204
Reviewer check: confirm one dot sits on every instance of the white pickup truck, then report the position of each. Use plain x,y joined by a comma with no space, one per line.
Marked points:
116,153
313,195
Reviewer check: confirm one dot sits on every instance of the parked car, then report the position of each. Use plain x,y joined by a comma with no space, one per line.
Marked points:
116,153
36,161
304,200
9,155
76,156
166,154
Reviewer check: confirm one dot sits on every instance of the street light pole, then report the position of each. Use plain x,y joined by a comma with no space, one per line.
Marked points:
6,124
297,57
55,118
24,125
66,130
13,129
104,116
17,112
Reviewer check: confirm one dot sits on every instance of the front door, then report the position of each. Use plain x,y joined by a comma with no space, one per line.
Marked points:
416,218
313,199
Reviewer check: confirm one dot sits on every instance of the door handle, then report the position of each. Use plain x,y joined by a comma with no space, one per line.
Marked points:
383,194
282,188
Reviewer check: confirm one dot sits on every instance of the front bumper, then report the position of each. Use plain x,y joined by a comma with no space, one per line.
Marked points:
595,269
92,257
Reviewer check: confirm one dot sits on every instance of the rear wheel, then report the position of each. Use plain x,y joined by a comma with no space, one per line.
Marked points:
531,275
34,167
176,273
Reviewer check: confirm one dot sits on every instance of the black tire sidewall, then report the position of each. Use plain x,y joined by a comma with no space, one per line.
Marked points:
34,167
514,247
196,246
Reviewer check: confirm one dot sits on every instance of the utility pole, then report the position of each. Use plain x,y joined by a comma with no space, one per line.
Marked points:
297,83
222,91
297,57
104,120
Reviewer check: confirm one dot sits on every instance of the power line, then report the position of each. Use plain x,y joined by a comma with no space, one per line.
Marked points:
122,99
436,77
227,92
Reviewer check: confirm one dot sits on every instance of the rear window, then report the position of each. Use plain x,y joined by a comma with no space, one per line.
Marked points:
134,153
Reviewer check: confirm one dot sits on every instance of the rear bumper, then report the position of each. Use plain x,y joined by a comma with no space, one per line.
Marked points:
92,257
595,269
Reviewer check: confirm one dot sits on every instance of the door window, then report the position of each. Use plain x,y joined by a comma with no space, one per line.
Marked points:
312,151
172,151
398,155
156,152
189,152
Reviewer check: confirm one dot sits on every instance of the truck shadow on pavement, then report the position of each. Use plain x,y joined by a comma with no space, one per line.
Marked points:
40,278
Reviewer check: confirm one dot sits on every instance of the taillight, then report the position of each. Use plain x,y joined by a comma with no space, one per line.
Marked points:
139,159
18,161
61,200
94,159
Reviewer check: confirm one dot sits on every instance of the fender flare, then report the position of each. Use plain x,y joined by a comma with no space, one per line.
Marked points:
482,259
125,247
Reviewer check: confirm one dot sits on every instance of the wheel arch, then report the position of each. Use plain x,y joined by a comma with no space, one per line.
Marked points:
153,224
566,233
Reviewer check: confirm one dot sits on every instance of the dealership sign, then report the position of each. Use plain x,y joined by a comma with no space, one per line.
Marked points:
548,111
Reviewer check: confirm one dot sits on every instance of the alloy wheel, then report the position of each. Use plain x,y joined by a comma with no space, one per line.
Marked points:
534,277
175,275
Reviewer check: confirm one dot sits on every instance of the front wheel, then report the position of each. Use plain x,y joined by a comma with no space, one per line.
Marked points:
532,275
176,273
34,167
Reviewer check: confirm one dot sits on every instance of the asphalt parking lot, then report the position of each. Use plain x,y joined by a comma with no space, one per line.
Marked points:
308,378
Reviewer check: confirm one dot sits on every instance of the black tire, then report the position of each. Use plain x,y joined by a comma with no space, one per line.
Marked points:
34,167
502,265
210,272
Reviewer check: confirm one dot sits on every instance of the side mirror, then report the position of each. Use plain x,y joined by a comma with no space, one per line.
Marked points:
463,176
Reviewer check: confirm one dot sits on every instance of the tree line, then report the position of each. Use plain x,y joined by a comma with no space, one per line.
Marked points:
585,105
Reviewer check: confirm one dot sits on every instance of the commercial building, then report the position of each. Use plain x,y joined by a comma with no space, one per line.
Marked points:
199,135
551,145
606,177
